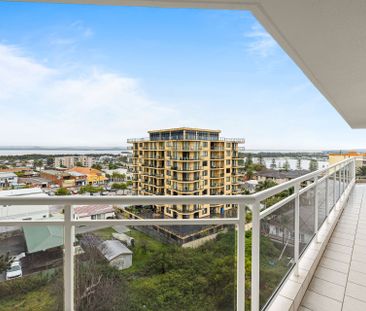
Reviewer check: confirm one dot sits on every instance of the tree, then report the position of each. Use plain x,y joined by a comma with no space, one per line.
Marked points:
97,166
248,161
273,164
5,262
286,166
266,184
249,174
62,191
79,164
313,165
98,286
50,161
119,186
90,189
298,164
361,171
261,161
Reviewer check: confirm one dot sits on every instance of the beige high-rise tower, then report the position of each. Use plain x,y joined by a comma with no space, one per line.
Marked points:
186,161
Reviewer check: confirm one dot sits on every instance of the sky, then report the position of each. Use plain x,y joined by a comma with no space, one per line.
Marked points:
73,75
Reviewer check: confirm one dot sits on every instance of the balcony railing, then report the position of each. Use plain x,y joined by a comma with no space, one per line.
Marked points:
291,223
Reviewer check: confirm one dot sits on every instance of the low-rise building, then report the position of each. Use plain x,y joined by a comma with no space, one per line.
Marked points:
93,176
279,176
8,180
80,179
116,253
34,182
60,178
94,212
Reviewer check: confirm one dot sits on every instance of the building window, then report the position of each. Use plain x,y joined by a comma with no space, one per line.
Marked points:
228,145
227,187
227,171
228,162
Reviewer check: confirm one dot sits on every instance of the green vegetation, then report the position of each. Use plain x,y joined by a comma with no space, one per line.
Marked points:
313,165
5,262
97,166
268,183
119,186
35,292
90,189
361,171
62,191
163,277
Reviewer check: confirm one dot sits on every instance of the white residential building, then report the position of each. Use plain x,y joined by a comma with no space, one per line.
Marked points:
72,161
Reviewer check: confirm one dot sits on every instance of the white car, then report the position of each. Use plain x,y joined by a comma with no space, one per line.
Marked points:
15,271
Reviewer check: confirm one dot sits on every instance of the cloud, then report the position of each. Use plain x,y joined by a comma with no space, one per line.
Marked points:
46,106
260,42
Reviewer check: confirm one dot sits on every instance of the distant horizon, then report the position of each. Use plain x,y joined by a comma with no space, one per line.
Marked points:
124,147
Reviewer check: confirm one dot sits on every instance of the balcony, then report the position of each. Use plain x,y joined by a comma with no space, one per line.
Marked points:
288,239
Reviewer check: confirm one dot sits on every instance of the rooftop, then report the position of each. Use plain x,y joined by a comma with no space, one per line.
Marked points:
184,129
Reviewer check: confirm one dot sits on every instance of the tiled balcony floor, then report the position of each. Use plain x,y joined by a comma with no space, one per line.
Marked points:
339,282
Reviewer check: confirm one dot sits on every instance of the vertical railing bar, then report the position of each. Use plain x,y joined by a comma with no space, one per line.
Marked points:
316,207
69,236
241,259
255,256
339,182
334,186
327,205
297,228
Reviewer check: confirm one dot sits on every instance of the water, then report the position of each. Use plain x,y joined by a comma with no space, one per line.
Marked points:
5,152
322,163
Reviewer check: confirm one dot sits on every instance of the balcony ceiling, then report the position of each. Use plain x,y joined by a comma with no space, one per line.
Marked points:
326,38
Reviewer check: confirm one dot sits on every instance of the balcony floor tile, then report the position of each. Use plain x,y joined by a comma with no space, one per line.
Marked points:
339,283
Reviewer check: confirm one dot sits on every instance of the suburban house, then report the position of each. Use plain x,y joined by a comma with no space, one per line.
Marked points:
34,182
279,176
116,253
94,212
8,180
63,179
93,176
80,178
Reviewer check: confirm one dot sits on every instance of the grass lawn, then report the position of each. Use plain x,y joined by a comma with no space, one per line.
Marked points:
40,300
143,250
105,233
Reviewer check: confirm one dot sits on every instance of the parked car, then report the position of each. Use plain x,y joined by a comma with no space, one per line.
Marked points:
15,271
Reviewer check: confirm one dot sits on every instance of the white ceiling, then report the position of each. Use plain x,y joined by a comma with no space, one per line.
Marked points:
326,38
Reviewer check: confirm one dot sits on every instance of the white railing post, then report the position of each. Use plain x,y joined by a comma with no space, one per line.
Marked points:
255,256
340,181
334,186
316,208
69,236
297,228
240,294
326,203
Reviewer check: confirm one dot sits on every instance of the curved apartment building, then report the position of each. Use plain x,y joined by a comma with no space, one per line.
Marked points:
186,161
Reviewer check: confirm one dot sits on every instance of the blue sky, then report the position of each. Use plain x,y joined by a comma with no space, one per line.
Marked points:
97,75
